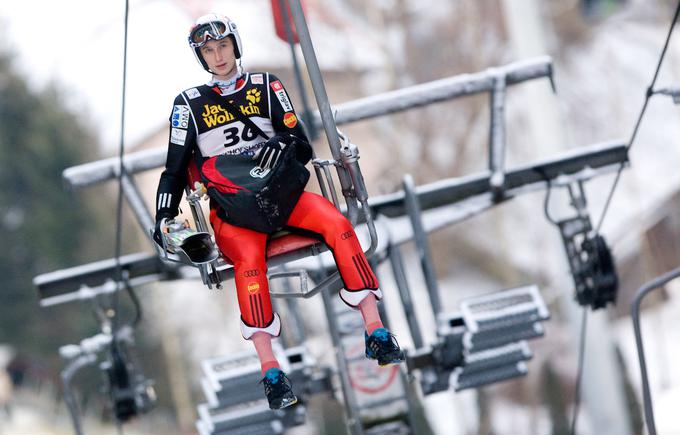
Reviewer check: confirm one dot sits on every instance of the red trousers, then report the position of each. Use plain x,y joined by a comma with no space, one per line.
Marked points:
246,250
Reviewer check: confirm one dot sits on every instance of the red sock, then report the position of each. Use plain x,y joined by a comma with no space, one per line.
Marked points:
263,346
369,311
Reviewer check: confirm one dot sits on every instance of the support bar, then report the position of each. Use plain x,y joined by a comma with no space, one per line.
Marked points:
96,274
326,114
441,90
635,313
497,136
452,190
398,270
137,204
422,244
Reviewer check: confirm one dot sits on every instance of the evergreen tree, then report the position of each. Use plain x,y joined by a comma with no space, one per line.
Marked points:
43,227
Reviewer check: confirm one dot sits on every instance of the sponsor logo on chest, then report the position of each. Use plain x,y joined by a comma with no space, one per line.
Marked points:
281,95
256,79
290,120
215,114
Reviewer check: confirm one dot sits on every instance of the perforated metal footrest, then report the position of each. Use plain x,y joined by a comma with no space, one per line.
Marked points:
462,380
496,357
391,428
236,402
485,342
253,418
504,309
235,373
498,337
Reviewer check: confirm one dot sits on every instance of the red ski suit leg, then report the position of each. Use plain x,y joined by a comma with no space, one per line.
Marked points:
246,250
316,214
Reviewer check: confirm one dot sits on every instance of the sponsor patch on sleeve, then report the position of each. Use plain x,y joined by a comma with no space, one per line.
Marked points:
180,116
256,79
253,287
178,136
193,93
282,96
290,120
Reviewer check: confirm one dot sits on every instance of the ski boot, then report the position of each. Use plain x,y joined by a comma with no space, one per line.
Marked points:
278,390
382,346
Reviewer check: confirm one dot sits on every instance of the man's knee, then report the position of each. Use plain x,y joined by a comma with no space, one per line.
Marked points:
273,328
354,298
338,229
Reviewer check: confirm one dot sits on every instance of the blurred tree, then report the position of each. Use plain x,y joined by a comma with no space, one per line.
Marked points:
428,40
593,9
42,226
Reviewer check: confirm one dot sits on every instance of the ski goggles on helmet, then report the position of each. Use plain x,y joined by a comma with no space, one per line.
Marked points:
200,34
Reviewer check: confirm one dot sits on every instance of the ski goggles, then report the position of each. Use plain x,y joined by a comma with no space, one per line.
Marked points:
201,33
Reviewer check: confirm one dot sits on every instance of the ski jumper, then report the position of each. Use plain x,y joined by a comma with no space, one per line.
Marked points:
199,129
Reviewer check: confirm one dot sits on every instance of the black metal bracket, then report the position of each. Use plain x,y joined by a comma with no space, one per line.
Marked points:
590,260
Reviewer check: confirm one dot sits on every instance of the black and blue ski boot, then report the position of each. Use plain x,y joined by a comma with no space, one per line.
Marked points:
382,346
278,390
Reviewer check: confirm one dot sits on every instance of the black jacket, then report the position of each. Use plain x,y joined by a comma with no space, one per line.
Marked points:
200,128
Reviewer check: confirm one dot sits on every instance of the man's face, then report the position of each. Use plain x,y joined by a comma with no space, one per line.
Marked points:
219,55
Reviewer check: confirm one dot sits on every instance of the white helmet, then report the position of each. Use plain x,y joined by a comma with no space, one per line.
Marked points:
213,26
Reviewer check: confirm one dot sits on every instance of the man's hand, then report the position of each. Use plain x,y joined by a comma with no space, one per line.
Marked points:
158,229
270,153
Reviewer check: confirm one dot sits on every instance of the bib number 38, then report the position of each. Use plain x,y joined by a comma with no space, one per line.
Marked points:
234,135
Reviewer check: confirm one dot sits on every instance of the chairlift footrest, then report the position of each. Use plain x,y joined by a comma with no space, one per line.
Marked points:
504,309
490,359
494,338
462,380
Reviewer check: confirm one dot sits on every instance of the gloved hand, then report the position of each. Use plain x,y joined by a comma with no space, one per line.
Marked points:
269,154
157,233
303,151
